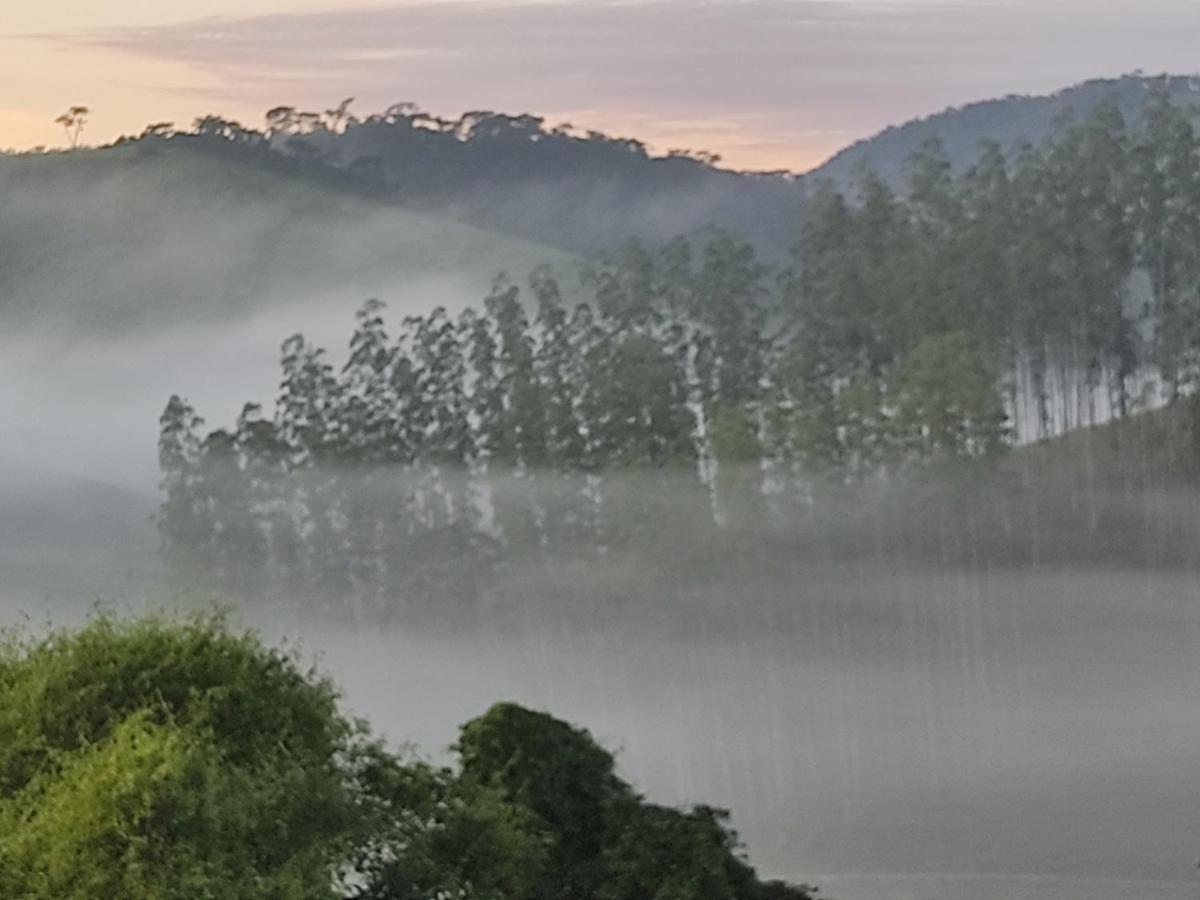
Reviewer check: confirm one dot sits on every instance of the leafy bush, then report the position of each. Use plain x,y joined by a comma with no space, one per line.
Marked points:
159,760
609,844
156,759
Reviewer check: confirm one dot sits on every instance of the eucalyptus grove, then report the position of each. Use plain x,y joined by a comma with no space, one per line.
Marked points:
1032,295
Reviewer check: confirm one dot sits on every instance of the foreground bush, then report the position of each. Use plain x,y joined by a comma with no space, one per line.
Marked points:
163,760
607,842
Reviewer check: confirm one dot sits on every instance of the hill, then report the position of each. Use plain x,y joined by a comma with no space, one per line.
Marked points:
155,234
584,192
1011,122
588,191
65,538
321,204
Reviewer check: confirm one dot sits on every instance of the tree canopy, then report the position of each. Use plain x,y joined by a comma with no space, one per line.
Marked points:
158,758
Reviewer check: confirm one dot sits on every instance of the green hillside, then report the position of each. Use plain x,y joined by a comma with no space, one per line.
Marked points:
139,235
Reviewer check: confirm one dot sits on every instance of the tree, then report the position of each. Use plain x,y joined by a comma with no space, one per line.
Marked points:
729,346
272,538
164,130
438,835
1086,174
1165,208
559,363
947,402
990,265
672,854
281,120
449,556
558,773
225,130
606,842
340,116
73,122
161,761
307,418
183,524
519,439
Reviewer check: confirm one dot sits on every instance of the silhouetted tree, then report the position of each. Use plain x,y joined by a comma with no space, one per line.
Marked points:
73,122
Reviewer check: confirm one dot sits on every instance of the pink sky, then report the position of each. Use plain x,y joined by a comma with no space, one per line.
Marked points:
765,83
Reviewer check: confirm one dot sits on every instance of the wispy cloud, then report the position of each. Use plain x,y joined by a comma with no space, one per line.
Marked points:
766,74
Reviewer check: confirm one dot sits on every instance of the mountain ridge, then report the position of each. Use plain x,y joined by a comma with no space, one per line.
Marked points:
1009,121
503,187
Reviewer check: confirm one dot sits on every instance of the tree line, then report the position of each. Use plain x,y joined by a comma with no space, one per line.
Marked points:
558,184
1075,266
911,332
536,426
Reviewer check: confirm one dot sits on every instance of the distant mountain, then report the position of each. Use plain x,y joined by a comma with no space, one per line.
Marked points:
588,191
1011,122
227,218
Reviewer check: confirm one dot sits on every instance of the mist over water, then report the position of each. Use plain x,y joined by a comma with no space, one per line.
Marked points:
874,712
88,407
870,712
859,718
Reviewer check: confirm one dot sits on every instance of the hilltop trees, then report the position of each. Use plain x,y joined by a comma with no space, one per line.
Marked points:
485,167
73,122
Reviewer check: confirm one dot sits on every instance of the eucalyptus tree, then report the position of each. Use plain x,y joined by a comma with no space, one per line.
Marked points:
449,545
1166,219
370,455
729,306
569,505
636,400
277,547
73,121
1093,255
307,416
518,441
990,266
183,519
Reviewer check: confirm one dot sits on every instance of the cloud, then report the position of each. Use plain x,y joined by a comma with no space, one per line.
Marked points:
767,74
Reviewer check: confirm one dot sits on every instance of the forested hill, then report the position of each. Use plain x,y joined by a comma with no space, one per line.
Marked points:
1010,122
584,191
222,217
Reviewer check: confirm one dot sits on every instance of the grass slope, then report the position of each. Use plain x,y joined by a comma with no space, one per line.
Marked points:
138,235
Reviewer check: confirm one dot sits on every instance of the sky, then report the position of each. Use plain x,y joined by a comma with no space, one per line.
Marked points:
767,84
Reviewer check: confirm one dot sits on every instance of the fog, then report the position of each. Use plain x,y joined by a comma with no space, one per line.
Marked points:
140,238
870,716
860,712
859,720
89,408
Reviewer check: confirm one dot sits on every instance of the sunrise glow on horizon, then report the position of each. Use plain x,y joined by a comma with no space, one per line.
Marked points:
766,84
